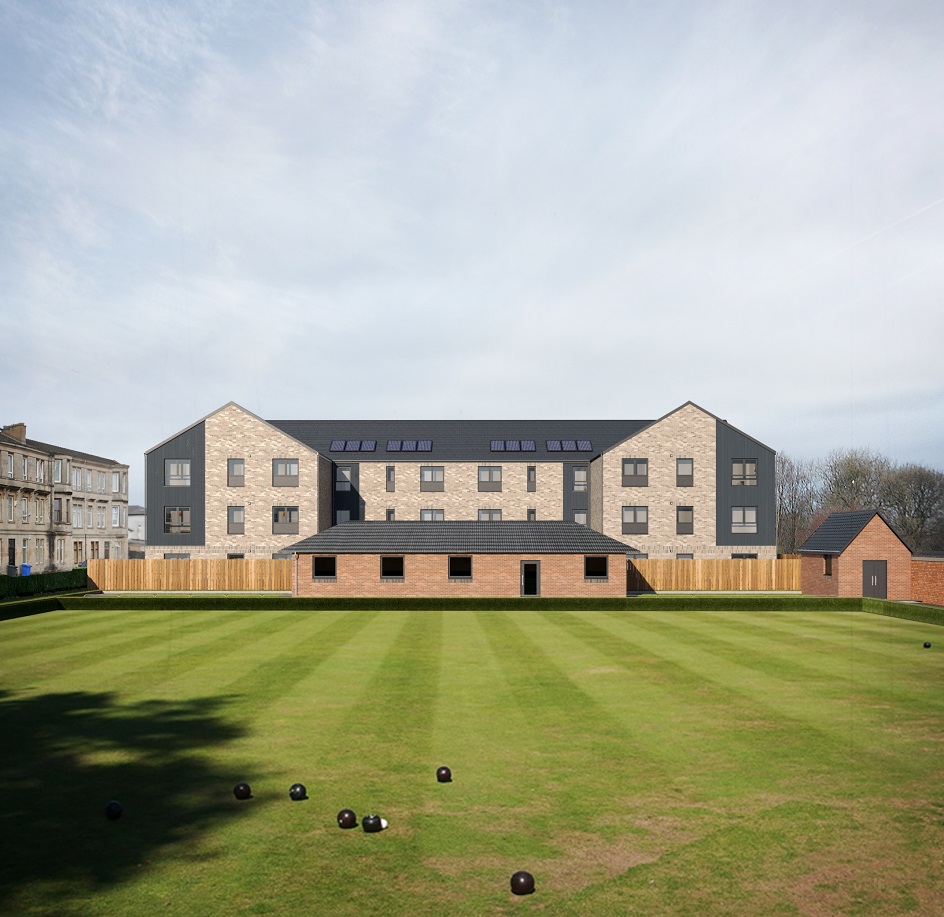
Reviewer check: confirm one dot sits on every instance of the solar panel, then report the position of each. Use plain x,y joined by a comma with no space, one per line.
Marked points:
498,445
553,445
337,445
393,445
424,445
584,445
569,445
352,445
512,445
409,445
527,445
368,445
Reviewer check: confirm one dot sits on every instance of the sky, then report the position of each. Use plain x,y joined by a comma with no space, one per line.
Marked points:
453,209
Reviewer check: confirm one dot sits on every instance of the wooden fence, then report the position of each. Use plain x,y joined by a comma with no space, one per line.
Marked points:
191,575
782,574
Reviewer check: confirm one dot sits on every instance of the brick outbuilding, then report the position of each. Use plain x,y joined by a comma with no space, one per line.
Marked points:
459,559
927,578
856,553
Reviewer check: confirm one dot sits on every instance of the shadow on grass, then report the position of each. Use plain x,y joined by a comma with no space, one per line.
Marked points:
66,755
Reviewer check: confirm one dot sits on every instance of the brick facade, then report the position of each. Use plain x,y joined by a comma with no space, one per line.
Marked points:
875,542
927,580
426,575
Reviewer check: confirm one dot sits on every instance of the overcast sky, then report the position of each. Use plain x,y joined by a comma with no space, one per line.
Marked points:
473,209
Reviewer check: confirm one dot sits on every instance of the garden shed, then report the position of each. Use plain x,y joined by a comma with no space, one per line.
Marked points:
856,553
459,559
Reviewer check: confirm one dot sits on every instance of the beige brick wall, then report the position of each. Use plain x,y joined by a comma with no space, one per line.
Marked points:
686,433
460,498
427,575
235,433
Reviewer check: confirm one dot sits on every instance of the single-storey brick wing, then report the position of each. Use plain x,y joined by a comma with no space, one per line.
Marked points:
459,558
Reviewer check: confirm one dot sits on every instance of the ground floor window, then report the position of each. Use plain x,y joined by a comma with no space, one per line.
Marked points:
595,568
391,567
176,520
324,567
460,568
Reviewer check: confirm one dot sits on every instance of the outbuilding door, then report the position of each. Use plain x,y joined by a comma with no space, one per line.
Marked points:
875,579
530,577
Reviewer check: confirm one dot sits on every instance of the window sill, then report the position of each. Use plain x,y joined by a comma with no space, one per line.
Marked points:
596,579
460,579
324,579
392,579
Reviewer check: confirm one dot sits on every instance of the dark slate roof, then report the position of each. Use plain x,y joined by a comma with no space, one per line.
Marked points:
839,530
461,440
459,537
37,446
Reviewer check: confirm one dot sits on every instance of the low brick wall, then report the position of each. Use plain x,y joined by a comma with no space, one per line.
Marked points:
427,575
927,580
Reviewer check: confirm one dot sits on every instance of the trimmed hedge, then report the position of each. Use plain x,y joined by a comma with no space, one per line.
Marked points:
42,583
925,614
21,609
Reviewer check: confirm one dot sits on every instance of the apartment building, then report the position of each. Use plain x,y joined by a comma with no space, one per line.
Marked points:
685,485
58,507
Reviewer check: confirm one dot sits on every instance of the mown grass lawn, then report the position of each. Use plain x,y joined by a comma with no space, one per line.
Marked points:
657,763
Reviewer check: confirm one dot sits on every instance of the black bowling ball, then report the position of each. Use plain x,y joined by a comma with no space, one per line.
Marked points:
927,645
242,791
347,819
297,791
113,810
444,775
371,824
522,883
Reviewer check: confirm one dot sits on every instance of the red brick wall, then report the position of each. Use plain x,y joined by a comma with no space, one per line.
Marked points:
427,575
875,542
927,581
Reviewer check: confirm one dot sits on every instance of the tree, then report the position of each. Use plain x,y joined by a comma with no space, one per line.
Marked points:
797,493
913,498
853,479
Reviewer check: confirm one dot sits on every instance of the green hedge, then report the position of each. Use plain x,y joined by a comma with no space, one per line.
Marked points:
42,583
25,607
926,614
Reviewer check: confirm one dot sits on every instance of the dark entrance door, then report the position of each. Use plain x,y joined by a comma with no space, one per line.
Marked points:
875,579
11,552
530,577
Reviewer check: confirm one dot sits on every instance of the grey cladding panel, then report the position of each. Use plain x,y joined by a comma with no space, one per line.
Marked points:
731,445
191,444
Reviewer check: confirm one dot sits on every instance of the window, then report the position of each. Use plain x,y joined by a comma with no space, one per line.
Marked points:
432,478
10,509
595,568
684,472
635,520
76,516
101,480
116,482
101,517
460,568
57,477
9,464
115,517
40,552
76,478
235,472
743,520
24,509
60,550
176,472
235,520
342,477
77,552
684,556
489,515
532,515
342,515
635,472
57,509
744,471
235,556
391,568
827,565
90,518
26,550
532,478
580,479
391,478
490,478
177,520
93,550
285,472
25,467
432,515
324,568
172,556
743,557
391,514
40,471
41,511
580,516
88,481
684,520
284,520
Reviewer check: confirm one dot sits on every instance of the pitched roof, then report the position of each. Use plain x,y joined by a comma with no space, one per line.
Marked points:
839,530
462,440
459,537
49,449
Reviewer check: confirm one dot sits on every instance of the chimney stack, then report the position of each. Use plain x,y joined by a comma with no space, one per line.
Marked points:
16,431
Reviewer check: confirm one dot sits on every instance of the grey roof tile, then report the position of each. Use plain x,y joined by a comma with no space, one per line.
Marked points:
839,530
459,537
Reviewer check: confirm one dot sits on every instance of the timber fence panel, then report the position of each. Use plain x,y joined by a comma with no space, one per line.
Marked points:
780,575
195,575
